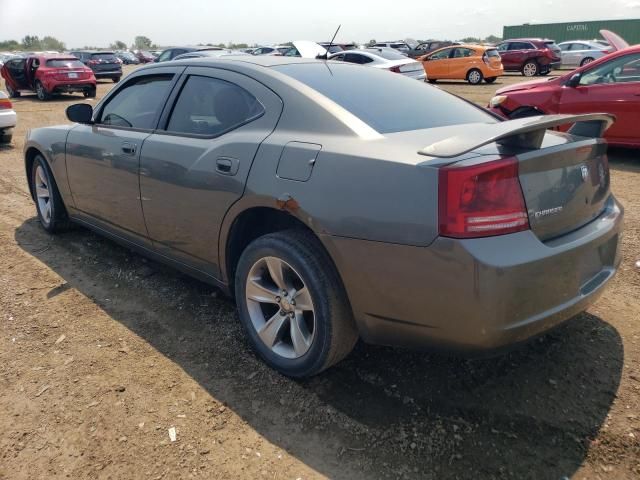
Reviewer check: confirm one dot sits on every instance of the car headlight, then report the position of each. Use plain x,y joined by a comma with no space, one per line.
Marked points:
497,100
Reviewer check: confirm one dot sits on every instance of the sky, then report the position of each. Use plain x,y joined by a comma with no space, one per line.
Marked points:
99,23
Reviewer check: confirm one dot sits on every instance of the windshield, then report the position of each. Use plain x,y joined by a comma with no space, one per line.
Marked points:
65,63
401,103
492,52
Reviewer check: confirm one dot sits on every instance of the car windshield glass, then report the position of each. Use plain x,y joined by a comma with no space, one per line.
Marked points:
103,56
65,63
401,103
388,54
492,52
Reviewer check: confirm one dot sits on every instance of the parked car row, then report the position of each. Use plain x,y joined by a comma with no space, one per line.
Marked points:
8,119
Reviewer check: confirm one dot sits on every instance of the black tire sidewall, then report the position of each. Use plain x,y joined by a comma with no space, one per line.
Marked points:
57,211
314,360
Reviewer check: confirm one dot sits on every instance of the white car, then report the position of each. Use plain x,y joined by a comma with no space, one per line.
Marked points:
384,58
8,118
577,53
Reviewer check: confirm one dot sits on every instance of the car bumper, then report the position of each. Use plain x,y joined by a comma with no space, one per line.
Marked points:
108,74
73,87
8,119
477,294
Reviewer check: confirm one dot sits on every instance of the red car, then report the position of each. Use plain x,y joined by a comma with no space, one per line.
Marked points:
144,56
531,56
47,75
610,84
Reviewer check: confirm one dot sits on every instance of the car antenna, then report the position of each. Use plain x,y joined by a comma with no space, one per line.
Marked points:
326,54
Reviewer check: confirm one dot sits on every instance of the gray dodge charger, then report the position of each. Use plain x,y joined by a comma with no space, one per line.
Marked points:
338,202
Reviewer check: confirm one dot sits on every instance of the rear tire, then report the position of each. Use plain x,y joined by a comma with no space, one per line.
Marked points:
11,92
91,93
432,80
5,138
490,79
474,76
530,68
41,92
586,61
52,213
116,79
321,320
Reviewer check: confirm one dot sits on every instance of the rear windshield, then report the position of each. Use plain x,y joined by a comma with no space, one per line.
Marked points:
492,52
386,101
65,63
551,44
104,56
388,54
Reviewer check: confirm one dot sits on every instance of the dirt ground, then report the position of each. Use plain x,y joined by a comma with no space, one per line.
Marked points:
102,352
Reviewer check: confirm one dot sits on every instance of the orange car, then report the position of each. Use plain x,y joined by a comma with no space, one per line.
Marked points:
472,63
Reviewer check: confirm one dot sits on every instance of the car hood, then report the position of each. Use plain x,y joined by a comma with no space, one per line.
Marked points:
529,85
309,49
616,41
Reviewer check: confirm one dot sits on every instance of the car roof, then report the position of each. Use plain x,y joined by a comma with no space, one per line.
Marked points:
531,39
53,56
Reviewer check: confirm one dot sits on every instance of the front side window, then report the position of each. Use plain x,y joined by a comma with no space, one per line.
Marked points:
462,52
620,70
441,54
138,104
210,106
164,56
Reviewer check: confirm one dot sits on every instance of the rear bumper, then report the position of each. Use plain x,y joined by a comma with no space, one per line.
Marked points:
8,119
478,294
108,74
73,87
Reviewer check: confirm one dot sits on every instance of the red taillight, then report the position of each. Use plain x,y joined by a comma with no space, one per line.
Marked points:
395,69
5,104
481,200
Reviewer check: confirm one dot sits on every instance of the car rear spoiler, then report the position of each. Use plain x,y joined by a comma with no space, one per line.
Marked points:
522,132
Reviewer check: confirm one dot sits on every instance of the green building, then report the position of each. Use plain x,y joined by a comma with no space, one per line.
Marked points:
561,32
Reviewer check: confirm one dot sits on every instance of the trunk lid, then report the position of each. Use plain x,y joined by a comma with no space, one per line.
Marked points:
564,187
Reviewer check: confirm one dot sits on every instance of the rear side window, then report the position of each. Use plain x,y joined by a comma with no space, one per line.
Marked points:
211,107
401,103
520,46
65,63
138,104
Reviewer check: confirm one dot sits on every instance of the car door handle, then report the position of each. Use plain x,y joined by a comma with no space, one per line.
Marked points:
227,166
129,148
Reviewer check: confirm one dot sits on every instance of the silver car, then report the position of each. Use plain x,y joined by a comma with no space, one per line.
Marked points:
385,59
336,202
577,53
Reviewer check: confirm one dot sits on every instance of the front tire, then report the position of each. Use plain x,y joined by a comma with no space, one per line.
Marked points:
5,138
530,69
292,304
474,76
41,92
11,92
51,210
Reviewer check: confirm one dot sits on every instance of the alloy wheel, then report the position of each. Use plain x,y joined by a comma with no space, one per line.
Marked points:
280,307
40,91
43,194
530,70
474,77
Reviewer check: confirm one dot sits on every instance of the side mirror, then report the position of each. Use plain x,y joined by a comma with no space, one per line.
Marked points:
80,113
574,81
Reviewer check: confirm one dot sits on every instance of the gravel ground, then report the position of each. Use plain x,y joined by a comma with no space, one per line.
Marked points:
102,353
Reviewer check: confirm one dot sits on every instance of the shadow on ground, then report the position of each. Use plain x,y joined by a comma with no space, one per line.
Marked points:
380,413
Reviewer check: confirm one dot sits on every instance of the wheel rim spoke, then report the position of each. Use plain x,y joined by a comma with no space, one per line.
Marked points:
276,271
271,330
47,211
300,336
42,192
261,293
303,299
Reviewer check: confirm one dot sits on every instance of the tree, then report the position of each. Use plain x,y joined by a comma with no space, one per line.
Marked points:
118,45
142,43
10,45
493,39
470,40
51,43
371,43
31,42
